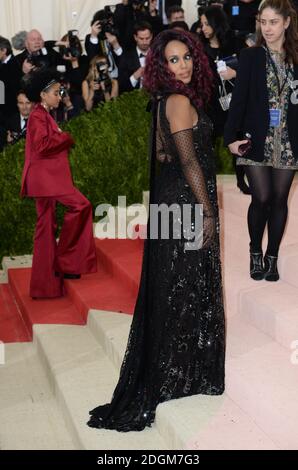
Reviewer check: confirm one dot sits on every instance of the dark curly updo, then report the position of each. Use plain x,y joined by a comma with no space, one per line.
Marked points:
39,80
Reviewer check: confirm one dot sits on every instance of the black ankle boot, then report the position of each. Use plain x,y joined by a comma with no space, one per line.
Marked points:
243,187
270,266
256,266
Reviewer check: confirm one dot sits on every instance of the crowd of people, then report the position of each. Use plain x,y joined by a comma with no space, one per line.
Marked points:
204,83
111,60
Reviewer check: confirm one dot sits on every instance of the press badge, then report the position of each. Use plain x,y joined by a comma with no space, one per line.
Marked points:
235,10
274,117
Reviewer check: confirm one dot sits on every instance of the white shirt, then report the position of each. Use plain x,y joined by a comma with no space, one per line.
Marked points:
142,60
7,59
23,122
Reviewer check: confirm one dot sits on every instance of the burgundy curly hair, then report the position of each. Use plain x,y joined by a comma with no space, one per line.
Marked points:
159,80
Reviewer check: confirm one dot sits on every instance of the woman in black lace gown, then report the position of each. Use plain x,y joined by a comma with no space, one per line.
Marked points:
176,346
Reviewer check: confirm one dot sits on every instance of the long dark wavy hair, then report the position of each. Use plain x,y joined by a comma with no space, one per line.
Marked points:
219,22
286,10
159,80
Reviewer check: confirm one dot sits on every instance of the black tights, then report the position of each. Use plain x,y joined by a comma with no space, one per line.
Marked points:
270,189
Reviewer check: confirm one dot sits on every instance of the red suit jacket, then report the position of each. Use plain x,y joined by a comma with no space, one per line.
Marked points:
46,171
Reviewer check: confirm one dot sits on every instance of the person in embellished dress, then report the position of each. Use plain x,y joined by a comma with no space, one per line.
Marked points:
176,345
264,106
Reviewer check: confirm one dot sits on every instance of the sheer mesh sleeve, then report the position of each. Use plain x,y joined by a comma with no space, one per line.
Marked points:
194,176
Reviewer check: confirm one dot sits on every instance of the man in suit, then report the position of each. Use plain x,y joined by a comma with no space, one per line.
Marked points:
36,54
10,76
17,124
132,62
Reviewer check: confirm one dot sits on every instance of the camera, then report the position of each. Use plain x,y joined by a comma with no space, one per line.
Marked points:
75,48
39,58
16,136
105,18
63,91
103,75
61,69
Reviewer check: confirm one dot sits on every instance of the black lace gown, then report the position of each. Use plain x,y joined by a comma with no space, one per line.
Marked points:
176,345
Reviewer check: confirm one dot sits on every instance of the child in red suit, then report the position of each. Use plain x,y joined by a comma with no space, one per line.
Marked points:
47,178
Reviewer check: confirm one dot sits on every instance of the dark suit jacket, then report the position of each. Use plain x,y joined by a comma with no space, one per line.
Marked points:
46,171
52,59
10,75
129,63
249,110
14,123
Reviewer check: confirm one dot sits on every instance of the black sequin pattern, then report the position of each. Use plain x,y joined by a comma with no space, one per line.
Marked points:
176,345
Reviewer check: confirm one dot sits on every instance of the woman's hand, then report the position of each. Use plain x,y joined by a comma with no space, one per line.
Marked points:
95,86
234,147
228,74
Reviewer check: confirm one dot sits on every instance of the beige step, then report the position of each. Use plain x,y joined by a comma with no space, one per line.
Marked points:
82,378
29,416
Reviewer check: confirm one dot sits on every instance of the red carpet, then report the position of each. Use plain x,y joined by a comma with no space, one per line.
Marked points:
113,288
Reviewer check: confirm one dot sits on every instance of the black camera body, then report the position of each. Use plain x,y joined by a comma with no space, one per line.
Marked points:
75,48
103,75
16,136
106,21
63,91
39,59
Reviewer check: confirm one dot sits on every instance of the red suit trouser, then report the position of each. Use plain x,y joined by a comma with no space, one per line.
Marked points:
74,254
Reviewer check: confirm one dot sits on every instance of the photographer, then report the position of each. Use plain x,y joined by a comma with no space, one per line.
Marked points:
37,55
76,68
16,125
132,63
99,86
10,75
71,105
129,13
103,40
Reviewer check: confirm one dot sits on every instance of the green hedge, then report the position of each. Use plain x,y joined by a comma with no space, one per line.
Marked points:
110,158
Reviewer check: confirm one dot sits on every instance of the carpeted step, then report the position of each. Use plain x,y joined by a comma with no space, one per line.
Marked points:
101,291
12,325
47,311
122,260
